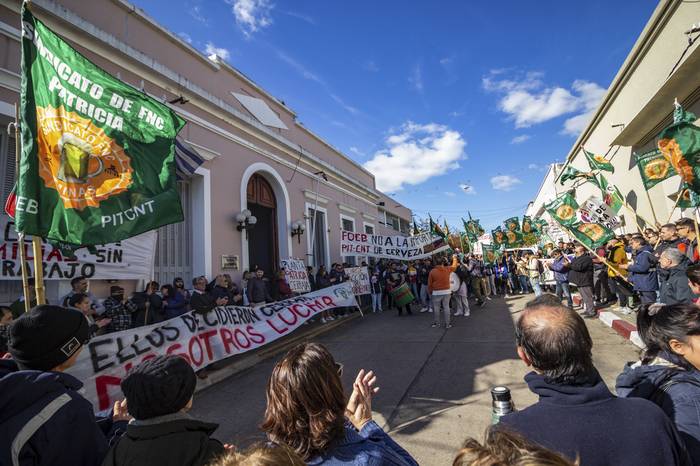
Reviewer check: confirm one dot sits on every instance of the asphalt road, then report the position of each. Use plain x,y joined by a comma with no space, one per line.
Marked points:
434,382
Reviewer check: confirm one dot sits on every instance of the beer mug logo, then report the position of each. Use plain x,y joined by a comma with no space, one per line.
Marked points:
79,160
75,160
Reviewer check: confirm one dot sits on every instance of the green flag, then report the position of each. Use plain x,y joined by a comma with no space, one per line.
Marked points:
435,228
498,237
468,230
611,195
680,144
598,162
490,254
528,227
512,224
570,173
514,239
592,234
563,209
98,156
688,198
416,230
530,239
654,168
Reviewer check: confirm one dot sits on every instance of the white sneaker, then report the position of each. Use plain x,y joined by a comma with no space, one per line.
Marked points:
425,309
323,321
466,314
625,310
459,313
330,319
430,311
489,298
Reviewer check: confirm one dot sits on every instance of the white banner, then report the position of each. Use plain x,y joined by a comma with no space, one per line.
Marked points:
390,247
295,273
595,210
199,338
359,277
131,259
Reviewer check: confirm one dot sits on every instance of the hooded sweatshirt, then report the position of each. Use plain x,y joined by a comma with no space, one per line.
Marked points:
585,419
672,388
69,433
642,273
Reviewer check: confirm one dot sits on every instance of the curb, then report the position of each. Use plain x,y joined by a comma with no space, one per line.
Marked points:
249,359
625,329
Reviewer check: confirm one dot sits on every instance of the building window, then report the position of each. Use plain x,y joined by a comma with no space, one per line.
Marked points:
405,227
9,289
392,221
317,240
348,224
369,229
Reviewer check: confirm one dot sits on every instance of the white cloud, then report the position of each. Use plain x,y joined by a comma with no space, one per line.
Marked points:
455,114
357,151
450,194
301,16
504,182
528,101
342,103
416,153
210,49
371,66
415,79
196,13
467,188
533,166
301,69
520,139
446,61
251,15
184,36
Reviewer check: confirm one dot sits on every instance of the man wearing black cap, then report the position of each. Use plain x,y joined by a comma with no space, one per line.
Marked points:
43,418
159,394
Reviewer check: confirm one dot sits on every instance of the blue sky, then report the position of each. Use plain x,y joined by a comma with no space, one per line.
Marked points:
455,105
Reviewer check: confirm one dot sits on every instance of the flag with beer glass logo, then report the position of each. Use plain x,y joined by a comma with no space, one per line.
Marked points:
98,156
654,168
563,209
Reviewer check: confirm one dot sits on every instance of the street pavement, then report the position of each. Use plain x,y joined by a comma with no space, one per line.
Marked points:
435,383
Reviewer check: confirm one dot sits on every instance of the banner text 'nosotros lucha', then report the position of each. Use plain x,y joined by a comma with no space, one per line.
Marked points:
199,338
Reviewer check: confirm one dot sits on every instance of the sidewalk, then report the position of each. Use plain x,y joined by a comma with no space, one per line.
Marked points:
624,325
235,364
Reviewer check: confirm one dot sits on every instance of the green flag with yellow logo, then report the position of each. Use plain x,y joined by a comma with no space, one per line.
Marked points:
98,156
512,224
598,162
680,144
592,234
498,237
654,168
563,209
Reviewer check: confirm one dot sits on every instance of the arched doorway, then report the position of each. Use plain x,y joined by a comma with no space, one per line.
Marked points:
263,250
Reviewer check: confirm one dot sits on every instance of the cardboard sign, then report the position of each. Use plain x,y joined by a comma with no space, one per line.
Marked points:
359,277
295,273
595,210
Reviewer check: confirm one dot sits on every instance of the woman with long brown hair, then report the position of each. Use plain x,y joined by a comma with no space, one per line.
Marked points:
307,410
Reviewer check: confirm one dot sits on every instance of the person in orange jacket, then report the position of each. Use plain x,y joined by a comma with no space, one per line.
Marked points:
439,289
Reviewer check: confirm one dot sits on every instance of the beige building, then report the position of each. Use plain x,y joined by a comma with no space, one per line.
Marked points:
638,105
260,160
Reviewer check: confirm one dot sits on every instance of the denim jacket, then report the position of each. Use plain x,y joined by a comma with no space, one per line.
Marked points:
371,446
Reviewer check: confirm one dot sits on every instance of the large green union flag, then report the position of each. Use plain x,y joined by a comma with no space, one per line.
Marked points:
98,156
592,234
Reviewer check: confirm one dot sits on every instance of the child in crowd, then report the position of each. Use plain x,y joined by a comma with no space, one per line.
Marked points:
158,395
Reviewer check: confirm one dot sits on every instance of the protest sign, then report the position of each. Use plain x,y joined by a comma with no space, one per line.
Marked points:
391,247
595,210
199,338
359,277
126,260
295,273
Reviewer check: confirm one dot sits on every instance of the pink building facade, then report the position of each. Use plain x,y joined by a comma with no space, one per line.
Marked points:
259,158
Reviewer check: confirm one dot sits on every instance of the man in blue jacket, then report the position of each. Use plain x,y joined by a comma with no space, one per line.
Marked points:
576,414
642,272
43,418
560,267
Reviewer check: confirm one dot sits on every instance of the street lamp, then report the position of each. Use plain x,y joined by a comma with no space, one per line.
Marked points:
246,221
298,228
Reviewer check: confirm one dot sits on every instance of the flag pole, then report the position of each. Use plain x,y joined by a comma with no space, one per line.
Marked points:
20,234
653,212
678,198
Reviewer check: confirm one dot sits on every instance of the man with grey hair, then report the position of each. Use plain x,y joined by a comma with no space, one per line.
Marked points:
674,282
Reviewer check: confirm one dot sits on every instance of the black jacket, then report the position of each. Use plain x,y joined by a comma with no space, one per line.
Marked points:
257,291
581,271
587,420
674,285
176,440
155,309
70,436
202,303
